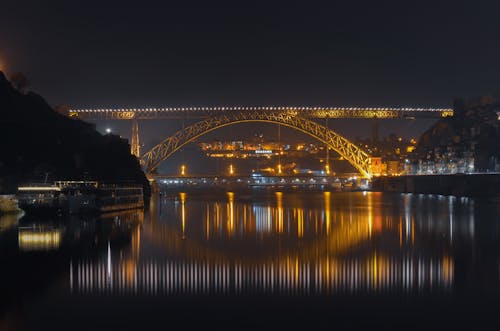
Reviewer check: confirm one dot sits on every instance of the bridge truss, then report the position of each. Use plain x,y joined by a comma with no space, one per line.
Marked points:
349,151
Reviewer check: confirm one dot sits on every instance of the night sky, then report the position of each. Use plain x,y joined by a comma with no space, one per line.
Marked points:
185,53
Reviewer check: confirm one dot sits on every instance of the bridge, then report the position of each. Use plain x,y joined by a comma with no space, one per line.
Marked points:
212,118
309,112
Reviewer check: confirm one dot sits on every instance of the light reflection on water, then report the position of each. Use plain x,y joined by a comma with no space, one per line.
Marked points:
288,243
375,274
296,260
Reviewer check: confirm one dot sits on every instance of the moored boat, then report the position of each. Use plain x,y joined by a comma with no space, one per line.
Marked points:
78,197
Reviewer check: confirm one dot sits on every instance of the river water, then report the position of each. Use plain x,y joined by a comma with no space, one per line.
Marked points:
262,260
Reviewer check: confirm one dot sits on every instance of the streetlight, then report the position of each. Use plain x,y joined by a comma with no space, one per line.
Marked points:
183,170
231,170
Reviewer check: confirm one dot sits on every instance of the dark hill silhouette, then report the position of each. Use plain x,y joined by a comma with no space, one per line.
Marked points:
39,143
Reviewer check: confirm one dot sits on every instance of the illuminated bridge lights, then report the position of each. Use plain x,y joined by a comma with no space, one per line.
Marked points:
311,112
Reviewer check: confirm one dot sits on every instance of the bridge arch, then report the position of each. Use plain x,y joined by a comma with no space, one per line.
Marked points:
349,151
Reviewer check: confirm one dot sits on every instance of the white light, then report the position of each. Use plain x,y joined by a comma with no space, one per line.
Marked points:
38,188
108,130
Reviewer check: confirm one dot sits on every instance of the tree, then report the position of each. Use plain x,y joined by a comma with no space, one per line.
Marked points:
62,109
19,80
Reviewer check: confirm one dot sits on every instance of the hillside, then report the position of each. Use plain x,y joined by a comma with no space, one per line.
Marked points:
39,143
474,130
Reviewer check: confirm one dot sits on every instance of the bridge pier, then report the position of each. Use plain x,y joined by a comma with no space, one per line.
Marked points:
135,147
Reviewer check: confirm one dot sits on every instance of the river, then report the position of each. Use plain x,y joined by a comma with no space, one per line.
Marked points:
262,260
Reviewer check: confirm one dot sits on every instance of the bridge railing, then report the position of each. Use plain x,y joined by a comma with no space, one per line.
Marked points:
310,112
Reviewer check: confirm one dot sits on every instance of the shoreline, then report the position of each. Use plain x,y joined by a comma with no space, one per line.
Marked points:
480,185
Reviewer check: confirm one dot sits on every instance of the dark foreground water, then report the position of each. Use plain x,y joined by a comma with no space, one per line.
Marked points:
258,261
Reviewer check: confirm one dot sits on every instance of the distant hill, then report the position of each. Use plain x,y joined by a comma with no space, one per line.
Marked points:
38,143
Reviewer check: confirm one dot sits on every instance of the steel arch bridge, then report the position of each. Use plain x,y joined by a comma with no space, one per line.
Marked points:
349,151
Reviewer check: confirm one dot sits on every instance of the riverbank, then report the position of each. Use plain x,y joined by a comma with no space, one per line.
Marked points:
8,204
487,184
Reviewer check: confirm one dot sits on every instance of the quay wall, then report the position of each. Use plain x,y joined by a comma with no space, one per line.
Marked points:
487,184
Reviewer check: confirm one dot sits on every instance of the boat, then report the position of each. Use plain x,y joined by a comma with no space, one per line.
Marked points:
337,185
347,186
9,204
79,197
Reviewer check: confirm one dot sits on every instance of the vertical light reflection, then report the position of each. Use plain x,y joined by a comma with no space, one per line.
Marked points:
269,218
300,222
207,222
217,218
400,228
244,226
230,216
375,270
279,207
326,196
297,273
130,264
370,213
450,211
328,275
71,275
412,231
182,196
375,274
136,243
262,217
448,268
408,219
110,279
471,219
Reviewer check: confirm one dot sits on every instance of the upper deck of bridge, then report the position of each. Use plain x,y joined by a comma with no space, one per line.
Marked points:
310,112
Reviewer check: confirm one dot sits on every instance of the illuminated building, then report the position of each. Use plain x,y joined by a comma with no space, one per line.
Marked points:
244,149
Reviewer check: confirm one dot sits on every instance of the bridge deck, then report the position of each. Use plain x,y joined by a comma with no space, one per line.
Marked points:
309,112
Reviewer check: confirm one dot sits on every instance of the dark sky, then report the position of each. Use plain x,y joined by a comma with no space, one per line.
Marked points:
335,53
141,53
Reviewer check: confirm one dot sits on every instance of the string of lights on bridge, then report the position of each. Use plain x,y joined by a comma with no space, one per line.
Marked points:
170,109
317,112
